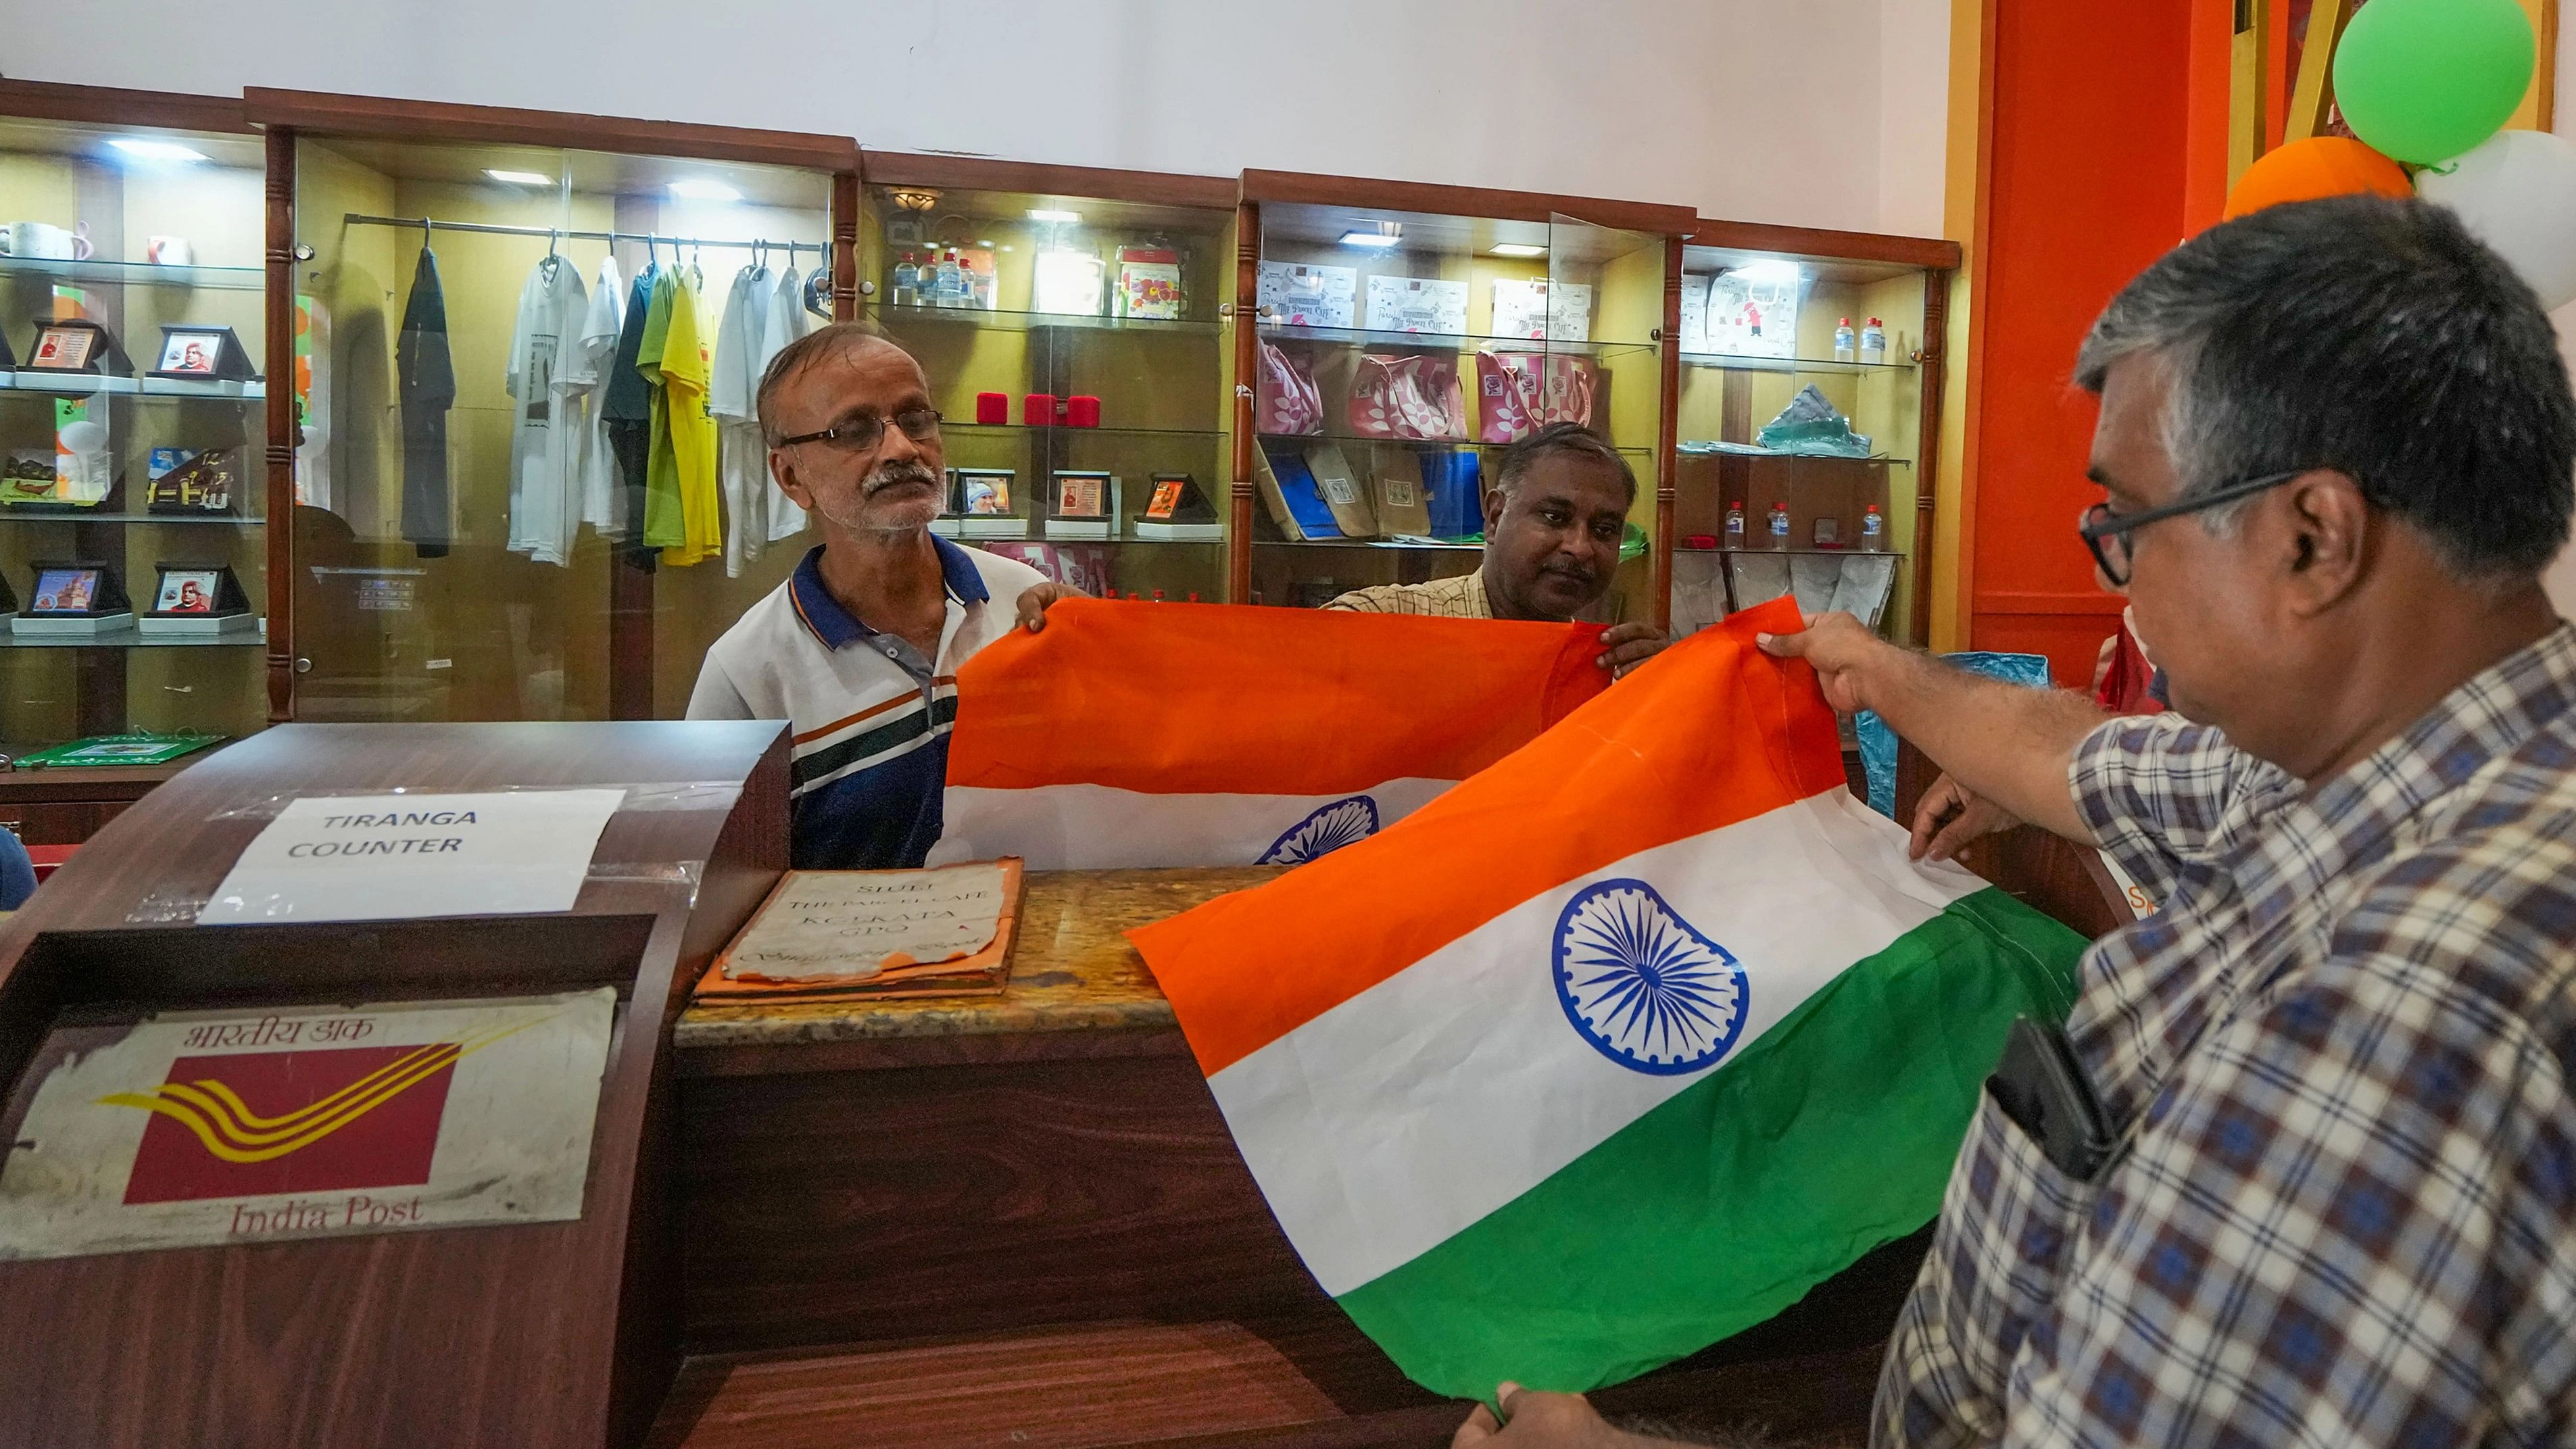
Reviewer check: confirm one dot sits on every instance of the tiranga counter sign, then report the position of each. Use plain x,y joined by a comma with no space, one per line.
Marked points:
1619,1047
193,1128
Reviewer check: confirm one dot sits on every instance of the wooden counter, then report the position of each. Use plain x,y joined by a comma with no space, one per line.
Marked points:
1022,1221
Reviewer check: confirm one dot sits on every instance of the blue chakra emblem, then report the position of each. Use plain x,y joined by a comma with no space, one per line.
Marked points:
1642,984
1327,830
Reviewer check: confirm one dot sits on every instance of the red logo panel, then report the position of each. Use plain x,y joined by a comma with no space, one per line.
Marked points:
263,1123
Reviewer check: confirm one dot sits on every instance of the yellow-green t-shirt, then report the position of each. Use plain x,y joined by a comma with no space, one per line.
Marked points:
685,373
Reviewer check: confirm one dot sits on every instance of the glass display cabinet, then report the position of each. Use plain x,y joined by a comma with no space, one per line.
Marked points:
528,483
132,403
1073,324
1403,332
1808,421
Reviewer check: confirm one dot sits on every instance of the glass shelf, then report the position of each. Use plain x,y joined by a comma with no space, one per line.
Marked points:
1688,450
1744,362
1424,545
888,315
99,384
1038,534
1444,341
1411,442
1006,430
141,274
34,513
1682,552
135,639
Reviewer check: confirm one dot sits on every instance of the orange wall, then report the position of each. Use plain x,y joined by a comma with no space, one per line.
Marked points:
2085,186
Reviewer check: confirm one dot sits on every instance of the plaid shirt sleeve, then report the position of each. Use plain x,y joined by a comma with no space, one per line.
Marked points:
2158,790
2350,1218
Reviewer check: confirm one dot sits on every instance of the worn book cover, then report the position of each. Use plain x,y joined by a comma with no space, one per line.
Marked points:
827,935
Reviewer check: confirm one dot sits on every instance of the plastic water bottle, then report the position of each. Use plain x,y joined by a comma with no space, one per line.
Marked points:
1735,526
947,292
969,293
1873,342
1780,526
1873,531
907,283
1843,341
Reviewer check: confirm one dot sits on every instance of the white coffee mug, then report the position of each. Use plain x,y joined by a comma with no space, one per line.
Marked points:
169,251
38,240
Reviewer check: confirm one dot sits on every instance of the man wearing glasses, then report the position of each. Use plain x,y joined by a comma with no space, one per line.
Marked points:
859,649
2301,1167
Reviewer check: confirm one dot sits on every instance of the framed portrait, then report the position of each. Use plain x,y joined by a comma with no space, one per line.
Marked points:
983,492
63,348
190,354
62,589
188,591
1081,495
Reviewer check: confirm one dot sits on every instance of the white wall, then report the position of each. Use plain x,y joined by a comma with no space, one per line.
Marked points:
1812,112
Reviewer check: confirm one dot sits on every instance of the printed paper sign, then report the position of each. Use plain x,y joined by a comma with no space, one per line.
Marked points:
196,1128
859,923
388,857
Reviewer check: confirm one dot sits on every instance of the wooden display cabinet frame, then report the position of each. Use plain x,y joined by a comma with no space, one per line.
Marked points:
287,115
1673,223
1938,260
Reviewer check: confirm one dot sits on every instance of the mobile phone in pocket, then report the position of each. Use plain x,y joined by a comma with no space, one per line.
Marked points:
2043,1089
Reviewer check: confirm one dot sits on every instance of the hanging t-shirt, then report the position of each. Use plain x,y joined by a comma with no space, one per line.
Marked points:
786,324
681,511
427,382
585,379
742,460
626,408
545,431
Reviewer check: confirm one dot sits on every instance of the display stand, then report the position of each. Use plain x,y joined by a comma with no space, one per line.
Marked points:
526,1334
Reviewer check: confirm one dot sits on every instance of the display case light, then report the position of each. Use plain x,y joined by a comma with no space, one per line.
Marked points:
141,149
1771,269
520,178
1386,234
700,189
1518,249
1067,218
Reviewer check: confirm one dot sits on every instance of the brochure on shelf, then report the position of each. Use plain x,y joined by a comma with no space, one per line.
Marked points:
1292,294
1417,304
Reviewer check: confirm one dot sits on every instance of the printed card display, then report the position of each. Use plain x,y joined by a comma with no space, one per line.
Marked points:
65,591
207,1127
1695,312
190,354
1295,295
393,857
1417,304
188,591
1540,309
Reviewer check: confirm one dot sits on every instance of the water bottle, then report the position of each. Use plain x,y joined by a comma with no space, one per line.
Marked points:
1873,531
1735,526
907,283
1843,341
1780,526
968,293
946,291
1873,342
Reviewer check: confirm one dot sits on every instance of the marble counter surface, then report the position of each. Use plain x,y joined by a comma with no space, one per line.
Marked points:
1072,970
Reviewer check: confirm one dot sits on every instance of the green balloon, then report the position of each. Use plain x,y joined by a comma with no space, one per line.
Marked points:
2427,80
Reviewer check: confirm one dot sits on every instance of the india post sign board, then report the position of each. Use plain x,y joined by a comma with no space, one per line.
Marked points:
401,855
195,1128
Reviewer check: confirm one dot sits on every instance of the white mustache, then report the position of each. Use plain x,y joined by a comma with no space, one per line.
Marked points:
893,473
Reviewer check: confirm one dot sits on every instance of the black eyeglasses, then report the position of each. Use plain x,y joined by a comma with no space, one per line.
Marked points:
862,433
2107,533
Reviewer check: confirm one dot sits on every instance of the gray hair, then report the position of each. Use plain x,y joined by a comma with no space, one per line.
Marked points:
2370,336
825,341
1574,439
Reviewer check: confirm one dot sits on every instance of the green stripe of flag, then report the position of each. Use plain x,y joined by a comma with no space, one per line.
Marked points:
1831,1134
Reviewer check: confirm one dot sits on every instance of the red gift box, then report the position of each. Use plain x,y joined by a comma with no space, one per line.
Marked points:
1038,410
992,407
1082,410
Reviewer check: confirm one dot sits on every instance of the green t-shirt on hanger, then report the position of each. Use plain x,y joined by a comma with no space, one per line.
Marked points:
665,524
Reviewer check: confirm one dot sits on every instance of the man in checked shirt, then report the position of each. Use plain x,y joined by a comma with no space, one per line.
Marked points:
2336,441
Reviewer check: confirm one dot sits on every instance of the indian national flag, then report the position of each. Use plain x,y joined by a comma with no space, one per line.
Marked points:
1204,734
1619,1047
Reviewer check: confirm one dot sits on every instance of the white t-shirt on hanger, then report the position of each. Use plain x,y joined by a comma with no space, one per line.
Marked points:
786,324
742,467
544,444
584,378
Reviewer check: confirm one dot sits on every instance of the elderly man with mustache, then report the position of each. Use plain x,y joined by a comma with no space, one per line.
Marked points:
1552,523
859,649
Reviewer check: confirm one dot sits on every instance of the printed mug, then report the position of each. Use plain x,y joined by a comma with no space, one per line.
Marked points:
39,241
169,251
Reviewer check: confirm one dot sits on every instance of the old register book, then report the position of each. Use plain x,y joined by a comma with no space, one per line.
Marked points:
826,935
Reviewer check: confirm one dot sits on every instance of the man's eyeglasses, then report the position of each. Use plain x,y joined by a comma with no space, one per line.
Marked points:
862,433
2107,533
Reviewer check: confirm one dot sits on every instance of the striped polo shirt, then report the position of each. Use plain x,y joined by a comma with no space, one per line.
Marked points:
870,715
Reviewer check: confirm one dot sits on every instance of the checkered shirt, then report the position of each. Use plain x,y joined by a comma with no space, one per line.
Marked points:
1462,597
2344,1210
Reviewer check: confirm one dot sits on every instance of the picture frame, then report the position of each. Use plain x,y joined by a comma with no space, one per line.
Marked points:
193,481
187,590
196,597
76,345
1081,494
202,352
984,492
1175,498
69,591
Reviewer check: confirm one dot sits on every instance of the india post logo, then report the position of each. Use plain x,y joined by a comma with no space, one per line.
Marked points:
261,1123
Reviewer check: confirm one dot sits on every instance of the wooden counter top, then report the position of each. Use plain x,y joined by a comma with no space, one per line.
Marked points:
1072,972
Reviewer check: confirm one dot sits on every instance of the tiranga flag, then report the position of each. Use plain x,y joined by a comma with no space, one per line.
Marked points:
1126,735
1619,1047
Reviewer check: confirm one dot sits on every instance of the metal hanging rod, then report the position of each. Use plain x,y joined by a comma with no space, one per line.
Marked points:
432,224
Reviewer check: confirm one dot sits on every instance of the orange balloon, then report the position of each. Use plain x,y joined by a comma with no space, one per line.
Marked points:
2320,166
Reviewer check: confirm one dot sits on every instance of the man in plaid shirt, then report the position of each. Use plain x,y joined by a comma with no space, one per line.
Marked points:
2338,1205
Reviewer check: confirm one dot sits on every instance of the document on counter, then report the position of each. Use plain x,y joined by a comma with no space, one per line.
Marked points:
398,856
874,932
